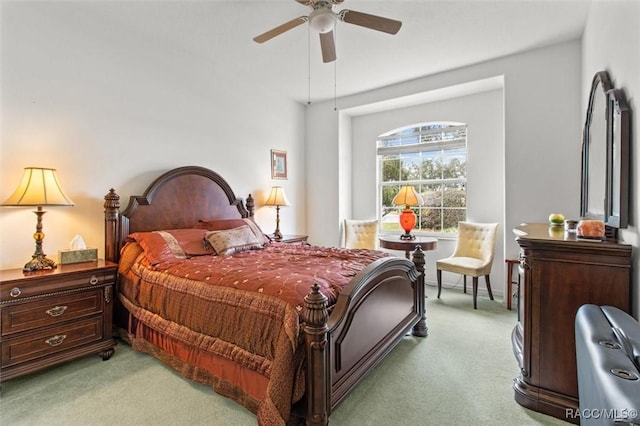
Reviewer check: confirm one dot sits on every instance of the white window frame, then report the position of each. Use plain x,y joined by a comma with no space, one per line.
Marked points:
446,136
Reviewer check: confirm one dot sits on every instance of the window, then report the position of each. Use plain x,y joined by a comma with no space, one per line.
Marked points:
433,158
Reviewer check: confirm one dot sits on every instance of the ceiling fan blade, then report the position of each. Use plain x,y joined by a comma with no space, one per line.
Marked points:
386,25
280,29
328,46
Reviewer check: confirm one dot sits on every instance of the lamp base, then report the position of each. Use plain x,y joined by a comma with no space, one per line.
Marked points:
277,235
39,262
407,222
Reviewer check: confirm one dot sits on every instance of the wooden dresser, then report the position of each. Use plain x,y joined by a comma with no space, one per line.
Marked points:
559,273
52,316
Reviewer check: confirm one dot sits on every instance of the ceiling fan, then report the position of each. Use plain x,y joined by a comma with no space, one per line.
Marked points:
323,20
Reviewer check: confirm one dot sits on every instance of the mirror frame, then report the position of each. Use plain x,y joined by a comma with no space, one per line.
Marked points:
617,171
600,85
616,178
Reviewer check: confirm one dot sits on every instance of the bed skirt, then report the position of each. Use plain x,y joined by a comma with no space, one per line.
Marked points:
188,356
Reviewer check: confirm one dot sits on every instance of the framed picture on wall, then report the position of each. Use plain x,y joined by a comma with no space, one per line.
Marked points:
278,164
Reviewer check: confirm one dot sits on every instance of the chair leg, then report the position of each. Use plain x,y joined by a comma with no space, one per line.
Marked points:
439,275
486,278
464,280
475,292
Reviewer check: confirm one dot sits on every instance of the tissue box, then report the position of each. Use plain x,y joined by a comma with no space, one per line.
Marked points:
66,257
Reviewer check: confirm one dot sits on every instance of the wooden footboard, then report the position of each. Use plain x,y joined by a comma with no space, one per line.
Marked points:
380,306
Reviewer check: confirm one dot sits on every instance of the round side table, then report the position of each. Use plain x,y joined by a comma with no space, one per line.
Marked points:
417,246
393,242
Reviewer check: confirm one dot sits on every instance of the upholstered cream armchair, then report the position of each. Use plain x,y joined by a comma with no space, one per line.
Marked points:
472,257
362,234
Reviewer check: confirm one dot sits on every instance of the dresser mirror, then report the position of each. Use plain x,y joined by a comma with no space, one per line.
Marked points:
617,207
605,155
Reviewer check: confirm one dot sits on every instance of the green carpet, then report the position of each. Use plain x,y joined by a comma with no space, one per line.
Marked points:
461,374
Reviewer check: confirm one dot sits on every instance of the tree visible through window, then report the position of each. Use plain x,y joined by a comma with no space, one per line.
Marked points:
433,158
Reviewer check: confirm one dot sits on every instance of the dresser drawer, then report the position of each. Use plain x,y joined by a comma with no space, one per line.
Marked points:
53,310
39,286
50,340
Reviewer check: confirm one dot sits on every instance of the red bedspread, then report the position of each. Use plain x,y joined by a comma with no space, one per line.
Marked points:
233,321
286,271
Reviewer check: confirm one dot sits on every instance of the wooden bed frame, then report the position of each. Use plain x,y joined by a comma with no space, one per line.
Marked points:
378,307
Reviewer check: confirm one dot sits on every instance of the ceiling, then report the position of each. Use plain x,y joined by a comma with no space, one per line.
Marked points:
436,36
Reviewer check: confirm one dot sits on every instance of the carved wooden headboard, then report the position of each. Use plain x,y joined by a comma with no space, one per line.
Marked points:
177,199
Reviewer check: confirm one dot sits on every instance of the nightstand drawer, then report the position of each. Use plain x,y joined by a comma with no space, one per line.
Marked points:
46,284
49,341
49,311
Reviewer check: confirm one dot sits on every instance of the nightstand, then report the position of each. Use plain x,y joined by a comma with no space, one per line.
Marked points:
294,239
52,316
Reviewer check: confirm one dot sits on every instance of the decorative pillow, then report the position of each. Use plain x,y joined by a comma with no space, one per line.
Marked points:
171,244
128,256
229,241
221,224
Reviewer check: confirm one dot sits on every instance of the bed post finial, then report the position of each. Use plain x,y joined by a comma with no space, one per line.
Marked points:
250,205
420,329
315,316
111,213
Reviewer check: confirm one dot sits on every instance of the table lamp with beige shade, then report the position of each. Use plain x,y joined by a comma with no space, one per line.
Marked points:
407,197
277,198
38,188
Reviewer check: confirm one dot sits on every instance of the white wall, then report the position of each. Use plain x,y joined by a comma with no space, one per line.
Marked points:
322,167
346,172
611,42
108,106
542,134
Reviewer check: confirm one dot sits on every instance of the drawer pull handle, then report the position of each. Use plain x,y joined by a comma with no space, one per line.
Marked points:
56,340
57,311
93,280
15,292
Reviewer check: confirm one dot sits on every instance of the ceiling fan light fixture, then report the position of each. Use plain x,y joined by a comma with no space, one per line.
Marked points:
322,20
